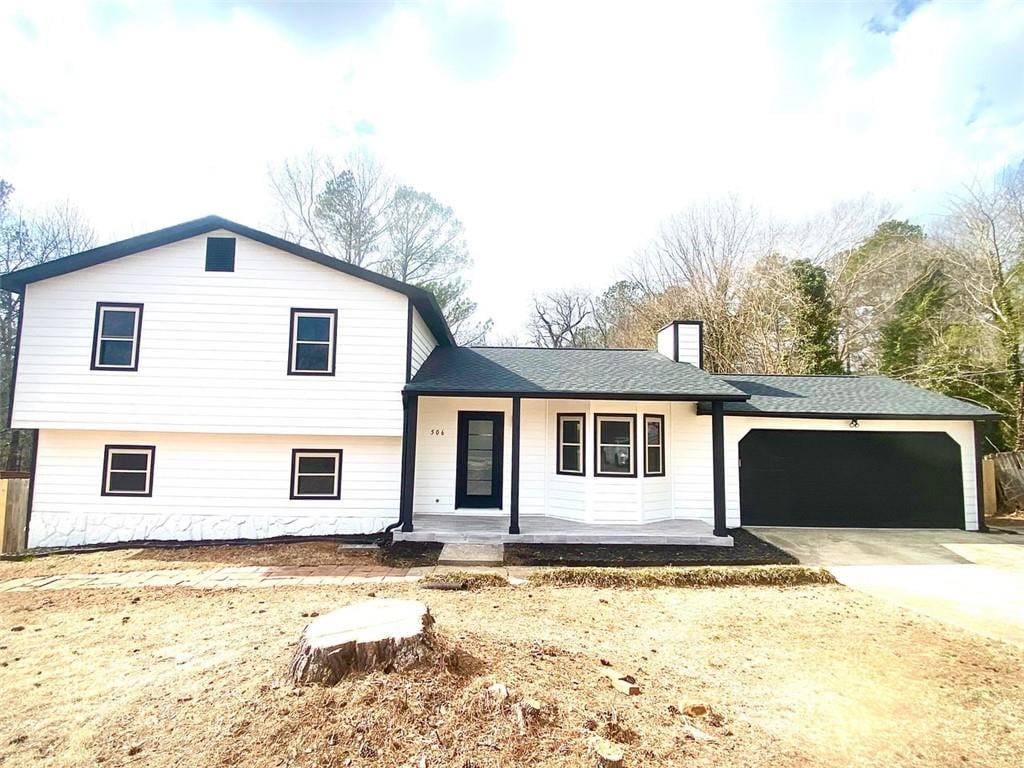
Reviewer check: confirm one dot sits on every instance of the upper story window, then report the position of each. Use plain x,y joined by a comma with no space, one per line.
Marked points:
654,445
311,347
128,470
115,343
570,444
220,254
615,445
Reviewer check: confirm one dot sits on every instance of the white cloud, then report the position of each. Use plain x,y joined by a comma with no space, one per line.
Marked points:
561,142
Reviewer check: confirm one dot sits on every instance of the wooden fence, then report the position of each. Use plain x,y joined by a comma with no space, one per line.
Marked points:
1003,478
13,511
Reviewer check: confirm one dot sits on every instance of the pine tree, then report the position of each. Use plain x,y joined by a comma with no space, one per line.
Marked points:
815,324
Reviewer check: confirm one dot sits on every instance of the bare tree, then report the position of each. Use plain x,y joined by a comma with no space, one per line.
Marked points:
297,186
695,268
356,213
353,208
560,319
870,259
982,241
426,240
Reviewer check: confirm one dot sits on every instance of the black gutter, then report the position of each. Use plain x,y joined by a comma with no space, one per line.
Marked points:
408,343
410,409
705,411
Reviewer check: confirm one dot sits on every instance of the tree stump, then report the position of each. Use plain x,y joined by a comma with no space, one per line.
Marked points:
376,634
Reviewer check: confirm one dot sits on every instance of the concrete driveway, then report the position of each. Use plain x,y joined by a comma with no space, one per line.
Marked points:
971,580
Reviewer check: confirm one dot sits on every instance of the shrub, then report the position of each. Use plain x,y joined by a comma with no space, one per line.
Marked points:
701,576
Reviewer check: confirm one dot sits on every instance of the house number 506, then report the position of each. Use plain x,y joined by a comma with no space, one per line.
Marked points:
437,432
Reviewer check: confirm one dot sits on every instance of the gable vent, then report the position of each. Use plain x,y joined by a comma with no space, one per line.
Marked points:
220,254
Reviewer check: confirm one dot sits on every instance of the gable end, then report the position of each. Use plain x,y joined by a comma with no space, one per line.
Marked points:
423,300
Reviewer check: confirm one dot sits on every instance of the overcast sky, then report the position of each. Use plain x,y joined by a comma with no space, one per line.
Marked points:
561,133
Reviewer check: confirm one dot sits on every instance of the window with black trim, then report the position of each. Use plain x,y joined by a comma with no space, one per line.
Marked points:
570,444
614,445
220,254
116,335
128,470
316,474
654,445
313,338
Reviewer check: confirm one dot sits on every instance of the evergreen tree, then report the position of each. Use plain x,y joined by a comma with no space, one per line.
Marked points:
815,323
907,336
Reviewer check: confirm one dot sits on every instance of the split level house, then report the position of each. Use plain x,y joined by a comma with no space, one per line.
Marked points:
210,381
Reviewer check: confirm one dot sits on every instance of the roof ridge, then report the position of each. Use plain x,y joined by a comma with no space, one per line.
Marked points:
806,375
563,349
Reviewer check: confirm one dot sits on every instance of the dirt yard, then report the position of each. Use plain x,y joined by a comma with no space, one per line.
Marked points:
810,676
164,558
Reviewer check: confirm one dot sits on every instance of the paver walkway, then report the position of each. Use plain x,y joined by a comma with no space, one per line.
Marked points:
232,577
227,577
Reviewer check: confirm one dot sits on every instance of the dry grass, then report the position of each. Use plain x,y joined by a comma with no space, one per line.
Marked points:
701,576
806,676
472,579
211,556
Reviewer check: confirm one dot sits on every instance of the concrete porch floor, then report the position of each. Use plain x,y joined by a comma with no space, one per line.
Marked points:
539,529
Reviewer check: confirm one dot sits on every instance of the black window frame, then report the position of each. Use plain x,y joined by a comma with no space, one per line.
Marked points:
107,469
560,436
630,417
293,326
218,260
101,306
660,419
298,453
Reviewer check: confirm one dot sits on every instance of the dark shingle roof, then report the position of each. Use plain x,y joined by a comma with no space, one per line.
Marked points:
845,396
565,372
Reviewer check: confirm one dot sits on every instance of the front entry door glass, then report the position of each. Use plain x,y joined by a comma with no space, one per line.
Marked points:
479,461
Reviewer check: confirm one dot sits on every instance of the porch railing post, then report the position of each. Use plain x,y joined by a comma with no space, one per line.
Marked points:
410,408
718,464
513,523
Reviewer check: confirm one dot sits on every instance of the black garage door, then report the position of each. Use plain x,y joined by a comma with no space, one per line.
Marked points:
854,479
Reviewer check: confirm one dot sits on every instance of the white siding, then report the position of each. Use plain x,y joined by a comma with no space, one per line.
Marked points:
690,463
541,489
689,343
666,342
686,492
568,496
214,347
423,341
208,487
736,427
534,464
436,442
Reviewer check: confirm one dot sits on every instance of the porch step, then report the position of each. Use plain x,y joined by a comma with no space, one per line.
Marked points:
471,554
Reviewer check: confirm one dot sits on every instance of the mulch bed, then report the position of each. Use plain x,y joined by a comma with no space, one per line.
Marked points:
411,554
747,549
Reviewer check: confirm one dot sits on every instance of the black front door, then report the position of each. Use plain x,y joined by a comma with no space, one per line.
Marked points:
479,461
